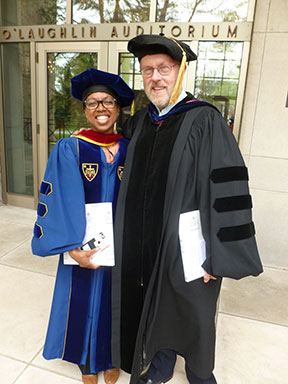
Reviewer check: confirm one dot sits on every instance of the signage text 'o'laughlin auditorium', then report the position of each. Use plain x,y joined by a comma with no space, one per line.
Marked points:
125,31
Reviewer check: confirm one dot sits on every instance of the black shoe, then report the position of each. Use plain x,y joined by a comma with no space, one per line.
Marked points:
144,379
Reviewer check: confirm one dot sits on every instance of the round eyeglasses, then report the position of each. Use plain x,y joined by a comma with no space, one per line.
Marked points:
164,70
94,104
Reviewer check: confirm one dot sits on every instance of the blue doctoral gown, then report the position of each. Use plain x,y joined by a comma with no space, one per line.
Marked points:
77,173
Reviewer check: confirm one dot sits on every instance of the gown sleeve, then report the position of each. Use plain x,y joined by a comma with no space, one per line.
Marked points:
225,203
61,222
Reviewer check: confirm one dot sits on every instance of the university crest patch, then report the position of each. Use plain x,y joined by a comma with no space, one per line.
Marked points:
90,170
120,170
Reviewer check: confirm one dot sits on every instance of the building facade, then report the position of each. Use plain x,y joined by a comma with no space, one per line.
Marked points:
242,49
264,128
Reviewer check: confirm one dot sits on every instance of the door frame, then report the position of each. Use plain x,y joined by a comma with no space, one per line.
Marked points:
41,137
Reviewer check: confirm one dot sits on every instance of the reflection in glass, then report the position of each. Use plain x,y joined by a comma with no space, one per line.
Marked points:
129,70
33,12
202,10
17,117
217,74
113,11
65,114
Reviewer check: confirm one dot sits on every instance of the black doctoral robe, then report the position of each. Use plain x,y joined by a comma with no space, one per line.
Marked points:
189,162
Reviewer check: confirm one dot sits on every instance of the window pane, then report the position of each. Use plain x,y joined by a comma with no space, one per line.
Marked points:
17,117
33,12
129,70
217,74
103,11
65,114
202,10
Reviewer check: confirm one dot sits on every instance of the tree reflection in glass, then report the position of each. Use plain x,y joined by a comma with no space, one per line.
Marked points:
33,12
202,10
65,114
217,74
129,70
110,11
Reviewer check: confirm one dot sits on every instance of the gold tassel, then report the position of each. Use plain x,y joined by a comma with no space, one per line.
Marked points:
178,85
132,111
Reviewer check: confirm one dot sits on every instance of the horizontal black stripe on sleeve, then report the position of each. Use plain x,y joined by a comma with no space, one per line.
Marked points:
223,175
238,232
233,203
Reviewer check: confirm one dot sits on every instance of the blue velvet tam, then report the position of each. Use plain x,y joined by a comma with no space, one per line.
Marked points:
93,80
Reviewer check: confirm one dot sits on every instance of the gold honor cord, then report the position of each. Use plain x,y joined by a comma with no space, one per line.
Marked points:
178,85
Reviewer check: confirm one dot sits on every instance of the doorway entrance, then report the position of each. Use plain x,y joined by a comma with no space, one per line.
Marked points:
58,114
42,110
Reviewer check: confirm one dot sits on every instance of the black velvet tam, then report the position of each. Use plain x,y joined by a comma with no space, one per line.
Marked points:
143,45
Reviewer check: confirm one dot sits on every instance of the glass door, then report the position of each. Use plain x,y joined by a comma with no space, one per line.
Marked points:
58,113
123,63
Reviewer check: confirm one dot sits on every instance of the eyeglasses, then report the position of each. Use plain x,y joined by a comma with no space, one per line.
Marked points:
94,104
164,70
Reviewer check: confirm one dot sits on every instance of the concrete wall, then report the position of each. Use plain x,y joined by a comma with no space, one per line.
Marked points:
0,188
264,129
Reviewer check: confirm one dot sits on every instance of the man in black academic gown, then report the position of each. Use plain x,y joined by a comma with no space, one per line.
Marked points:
183,222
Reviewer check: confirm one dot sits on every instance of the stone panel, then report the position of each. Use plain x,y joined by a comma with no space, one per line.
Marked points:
270,137
270,214
278,16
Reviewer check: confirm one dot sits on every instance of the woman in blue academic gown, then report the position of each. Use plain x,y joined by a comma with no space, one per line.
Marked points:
83,169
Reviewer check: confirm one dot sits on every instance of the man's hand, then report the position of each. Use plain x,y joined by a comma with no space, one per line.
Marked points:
83,258
208,277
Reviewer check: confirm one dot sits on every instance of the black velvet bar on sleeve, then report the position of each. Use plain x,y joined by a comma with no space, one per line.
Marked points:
223,175
233,203
236,233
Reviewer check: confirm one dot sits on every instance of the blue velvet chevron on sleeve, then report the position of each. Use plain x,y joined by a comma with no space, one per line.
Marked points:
61,220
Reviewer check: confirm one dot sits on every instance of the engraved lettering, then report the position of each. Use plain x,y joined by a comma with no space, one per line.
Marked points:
176,31
6,34
191,31
215,34
151,29
51,33
63,33
31,34
232,33
161,28
203,31
41,33
139,30
83,32
73,33
92,31
114,32
126,32
20,34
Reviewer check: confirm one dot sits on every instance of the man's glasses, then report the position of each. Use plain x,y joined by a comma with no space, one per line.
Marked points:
164,70
106,103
